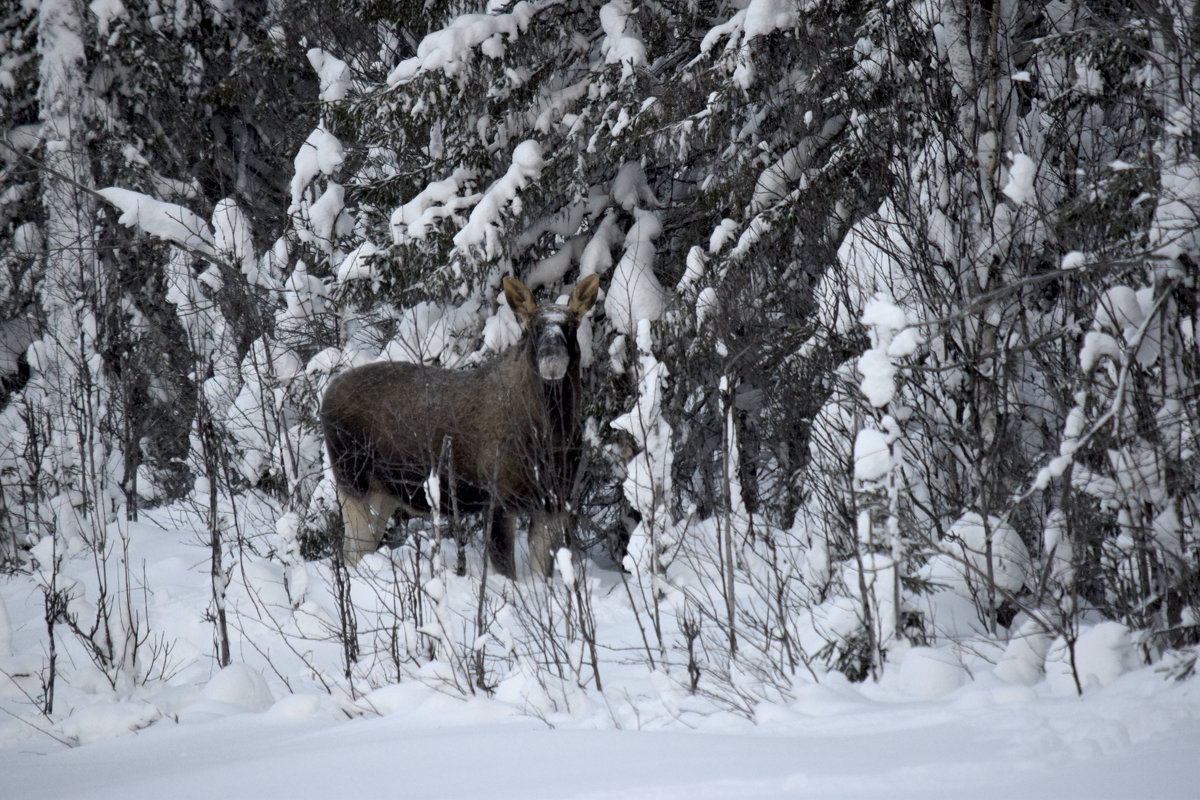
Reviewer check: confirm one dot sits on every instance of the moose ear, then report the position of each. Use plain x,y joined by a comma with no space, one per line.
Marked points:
584,295
520,299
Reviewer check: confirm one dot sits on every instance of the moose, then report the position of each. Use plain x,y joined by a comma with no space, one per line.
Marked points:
502,439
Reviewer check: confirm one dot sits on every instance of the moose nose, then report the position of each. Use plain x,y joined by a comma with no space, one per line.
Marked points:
552,366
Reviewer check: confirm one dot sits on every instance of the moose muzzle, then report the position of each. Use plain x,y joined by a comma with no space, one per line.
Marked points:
552,356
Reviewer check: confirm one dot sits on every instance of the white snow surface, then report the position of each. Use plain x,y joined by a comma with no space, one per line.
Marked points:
942,722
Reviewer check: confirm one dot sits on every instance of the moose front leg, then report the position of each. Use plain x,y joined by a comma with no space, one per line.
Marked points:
547,533
500,542
366,520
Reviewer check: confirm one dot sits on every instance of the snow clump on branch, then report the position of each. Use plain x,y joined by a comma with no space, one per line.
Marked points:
449,48
621,43
482,229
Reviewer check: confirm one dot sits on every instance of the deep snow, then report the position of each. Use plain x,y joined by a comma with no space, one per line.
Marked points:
1136,740
239,732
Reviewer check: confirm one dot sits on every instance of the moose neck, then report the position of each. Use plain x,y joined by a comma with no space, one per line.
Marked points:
558,398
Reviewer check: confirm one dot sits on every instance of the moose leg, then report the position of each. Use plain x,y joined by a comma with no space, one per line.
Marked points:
500,542
546,535
366,520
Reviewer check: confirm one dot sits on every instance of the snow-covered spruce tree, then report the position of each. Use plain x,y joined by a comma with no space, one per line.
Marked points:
1128,444
176,87
1023,194
73,474
141,346
21,247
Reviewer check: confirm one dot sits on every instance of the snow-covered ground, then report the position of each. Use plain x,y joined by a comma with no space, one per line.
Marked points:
200,732
1138,738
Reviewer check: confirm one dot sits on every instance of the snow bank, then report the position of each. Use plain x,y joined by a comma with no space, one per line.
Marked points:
1024,659
936,724
930,672
105,720
5,630
239,687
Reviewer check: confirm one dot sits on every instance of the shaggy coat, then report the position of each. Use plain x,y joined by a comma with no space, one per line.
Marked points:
503,438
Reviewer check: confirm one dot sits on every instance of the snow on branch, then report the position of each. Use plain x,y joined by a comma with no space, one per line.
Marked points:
759,18
891,338
164,220
333,73
321,154
436,201
776,181
621,43
449,48
482,229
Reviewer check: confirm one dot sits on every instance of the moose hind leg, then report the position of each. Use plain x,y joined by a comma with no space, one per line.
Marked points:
500,542
546,534
366,520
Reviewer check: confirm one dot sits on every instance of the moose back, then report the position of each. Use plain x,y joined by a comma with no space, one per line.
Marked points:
502,439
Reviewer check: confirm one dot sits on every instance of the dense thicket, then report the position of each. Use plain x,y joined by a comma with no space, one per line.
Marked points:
900,298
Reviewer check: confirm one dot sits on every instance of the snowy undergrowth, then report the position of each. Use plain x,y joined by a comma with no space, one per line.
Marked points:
430,649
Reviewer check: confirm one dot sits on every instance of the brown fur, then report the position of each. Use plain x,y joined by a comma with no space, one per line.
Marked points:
500,437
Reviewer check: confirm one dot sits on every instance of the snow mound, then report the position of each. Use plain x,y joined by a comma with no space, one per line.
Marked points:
240,686
105,721
1024,658
1103,653
930,672
968,544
